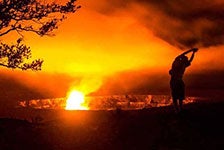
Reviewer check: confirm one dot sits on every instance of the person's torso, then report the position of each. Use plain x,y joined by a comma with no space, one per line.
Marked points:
178,67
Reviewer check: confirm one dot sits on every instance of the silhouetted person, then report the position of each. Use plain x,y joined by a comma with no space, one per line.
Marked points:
177,86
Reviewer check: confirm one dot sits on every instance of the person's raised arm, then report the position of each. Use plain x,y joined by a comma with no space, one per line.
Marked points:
192,56
190,50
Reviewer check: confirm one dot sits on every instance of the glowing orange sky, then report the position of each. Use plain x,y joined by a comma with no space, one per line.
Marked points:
91,43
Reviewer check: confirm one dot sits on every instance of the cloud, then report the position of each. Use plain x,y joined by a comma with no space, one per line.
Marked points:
181,23
209,83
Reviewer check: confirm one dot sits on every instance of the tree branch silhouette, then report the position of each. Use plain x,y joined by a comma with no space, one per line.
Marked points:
36,16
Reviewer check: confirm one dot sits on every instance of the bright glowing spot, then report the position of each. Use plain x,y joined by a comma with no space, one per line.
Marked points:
76,101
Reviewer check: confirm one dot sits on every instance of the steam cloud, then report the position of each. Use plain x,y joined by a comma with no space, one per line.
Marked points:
181,23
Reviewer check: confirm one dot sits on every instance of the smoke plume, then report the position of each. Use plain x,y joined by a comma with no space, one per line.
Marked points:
181,23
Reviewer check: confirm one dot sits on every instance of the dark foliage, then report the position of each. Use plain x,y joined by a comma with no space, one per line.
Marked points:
34,16
13,56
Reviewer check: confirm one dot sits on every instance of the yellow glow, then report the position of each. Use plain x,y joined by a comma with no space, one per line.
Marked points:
91,46
76,101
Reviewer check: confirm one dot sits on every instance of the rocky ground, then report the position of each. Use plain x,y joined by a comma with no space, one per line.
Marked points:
200,126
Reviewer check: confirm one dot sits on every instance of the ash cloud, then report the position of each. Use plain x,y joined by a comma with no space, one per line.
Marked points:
181,23
143,82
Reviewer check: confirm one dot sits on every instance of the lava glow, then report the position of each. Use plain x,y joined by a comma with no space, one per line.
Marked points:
76,101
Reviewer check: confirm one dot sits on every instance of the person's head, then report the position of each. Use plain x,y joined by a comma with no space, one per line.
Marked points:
183,58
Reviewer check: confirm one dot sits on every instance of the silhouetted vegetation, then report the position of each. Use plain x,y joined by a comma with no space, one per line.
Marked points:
35,16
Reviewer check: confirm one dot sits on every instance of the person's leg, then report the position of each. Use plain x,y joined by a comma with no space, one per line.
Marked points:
175,94
181,95
175,104
180,105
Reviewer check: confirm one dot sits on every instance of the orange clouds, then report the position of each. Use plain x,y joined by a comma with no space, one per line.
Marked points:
90,42
107,37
